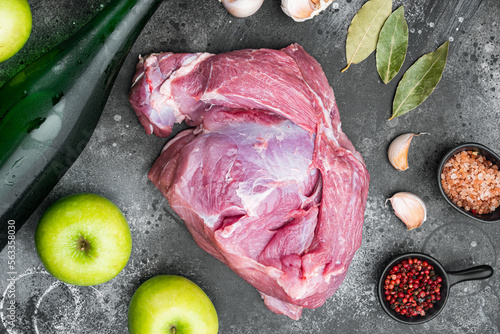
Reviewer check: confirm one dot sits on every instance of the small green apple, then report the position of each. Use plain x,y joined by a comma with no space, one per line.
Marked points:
15,26
169,304
83,239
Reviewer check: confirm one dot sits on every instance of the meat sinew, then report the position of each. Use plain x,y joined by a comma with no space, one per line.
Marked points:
266,181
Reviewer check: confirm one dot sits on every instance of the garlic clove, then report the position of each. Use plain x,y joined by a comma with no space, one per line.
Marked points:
242,8
398,150
301,10
409,208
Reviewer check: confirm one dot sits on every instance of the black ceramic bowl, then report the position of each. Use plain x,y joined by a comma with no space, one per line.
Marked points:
449,279
493,217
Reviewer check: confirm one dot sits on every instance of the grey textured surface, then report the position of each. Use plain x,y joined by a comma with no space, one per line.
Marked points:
464,107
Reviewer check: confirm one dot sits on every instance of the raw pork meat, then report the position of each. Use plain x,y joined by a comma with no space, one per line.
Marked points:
266,181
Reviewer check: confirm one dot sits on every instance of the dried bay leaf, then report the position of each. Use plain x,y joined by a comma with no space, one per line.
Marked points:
365,27
391,46
419,81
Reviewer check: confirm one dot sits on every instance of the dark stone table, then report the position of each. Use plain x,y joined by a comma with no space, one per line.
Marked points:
464,107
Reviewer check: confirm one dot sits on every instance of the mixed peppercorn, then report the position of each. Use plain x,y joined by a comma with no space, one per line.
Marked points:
412,287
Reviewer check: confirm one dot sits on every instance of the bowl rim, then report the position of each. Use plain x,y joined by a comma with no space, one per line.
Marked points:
445,287
446,157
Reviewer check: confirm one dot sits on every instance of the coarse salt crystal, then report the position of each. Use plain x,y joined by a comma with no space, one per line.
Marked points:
472,182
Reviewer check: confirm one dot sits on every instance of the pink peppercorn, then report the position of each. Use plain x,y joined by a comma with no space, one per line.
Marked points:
412,287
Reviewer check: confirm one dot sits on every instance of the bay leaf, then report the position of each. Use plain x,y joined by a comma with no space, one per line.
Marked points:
419,81
363,32
391,46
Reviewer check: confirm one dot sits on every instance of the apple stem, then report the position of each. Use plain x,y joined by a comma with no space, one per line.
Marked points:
83,245
173,330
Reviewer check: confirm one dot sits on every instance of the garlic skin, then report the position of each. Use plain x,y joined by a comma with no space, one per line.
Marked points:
301,10
409,208
398,150
242,8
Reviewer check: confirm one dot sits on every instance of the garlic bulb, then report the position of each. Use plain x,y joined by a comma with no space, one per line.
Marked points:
398,150
409,208
301,10
242,8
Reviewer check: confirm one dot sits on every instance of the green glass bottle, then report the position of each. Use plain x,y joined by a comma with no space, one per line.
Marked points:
49,110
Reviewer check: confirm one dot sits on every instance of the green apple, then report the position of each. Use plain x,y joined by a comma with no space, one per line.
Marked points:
83,239
15,26
169,304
